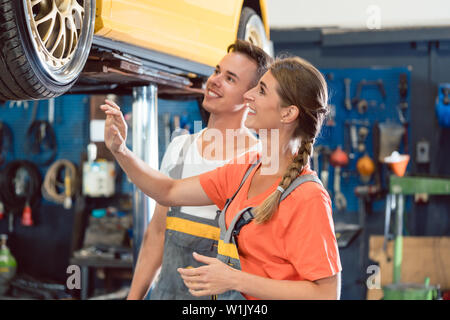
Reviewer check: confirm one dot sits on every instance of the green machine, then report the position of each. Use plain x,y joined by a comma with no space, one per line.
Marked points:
399,187
8,265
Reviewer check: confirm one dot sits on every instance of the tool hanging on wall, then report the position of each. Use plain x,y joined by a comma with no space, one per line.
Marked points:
348,99
362,104
20,188
348,140
365,167
443,105
339,159
40,141
18,104
402,108
6,142
354,137
177,130
55,190
363,132
331,122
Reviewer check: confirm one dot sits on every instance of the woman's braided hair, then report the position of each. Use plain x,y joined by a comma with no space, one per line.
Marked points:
302,85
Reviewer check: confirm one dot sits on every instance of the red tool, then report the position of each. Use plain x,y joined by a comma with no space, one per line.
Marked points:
339,158
27,220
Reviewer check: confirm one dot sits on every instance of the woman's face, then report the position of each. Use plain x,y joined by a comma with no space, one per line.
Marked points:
263,102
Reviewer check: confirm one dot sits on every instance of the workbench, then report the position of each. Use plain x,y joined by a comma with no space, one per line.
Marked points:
93,263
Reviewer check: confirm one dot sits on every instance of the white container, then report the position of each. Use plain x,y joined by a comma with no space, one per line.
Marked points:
99,179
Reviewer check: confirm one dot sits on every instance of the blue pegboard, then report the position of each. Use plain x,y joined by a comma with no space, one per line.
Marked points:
187,110
380,109
71,126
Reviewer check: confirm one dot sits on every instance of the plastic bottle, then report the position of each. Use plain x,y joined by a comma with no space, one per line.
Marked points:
8,265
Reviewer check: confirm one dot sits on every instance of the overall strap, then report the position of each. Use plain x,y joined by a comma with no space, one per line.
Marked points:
227,247
244,214
247,173
177,171
222,224
298,181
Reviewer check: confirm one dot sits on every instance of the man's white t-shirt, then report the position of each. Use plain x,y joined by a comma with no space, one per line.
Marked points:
194,165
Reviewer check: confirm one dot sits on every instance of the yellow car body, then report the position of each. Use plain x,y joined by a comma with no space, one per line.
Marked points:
197,30
58,43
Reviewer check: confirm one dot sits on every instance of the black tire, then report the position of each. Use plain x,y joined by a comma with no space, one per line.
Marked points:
251,28
24,74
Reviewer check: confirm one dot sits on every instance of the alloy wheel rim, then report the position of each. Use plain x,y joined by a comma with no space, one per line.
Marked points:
58,30
253,32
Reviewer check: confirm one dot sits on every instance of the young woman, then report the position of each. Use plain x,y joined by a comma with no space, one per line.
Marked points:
289,250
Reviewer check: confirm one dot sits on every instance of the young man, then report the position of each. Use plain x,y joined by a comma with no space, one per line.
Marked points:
173,234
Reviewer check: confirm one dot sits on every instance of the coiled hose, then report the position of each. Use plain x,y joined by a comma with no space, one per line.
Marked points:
61,191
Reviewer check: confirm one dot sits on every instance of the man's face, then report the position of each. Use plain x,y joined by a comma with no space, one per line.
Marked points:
225,88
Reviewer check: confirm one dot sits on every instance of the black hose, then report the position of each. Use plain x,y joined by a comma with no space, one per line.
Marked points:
6,142
20,183
40,142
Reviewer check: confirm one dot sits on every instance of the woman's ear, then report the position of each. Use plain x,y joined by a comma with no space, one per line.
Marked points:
289,114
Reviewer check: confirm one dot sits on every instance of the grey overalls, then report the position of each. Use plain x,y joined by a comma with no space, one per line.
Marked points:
184,234
227,250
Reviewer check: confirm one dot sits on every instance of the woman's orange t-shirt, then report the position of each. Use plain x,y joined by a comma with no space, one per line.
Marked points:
298,243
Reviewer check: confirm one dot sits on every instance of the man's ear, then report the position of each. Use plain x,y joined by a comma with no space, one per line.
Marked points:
289,114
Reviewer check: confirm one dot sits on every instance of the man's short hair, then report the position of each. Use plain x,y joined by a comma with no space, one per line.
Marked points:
254,53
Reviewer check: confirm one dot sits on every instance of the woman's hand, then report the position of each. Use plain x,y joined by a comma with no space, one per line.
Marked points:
115,127
216,277
213,278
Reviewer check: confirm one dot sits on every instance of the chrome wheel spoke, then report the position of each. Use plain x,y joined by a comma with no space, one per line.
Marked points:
78,9
72,31
74,35
45,16
35,2
59,37
47,32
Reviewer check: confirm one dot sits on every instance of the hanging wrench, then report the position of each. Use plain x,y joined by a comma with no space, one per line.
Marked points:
339,198
347,101
18,104
338,159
